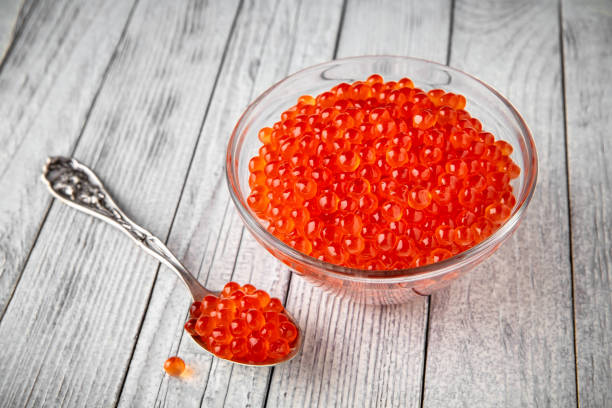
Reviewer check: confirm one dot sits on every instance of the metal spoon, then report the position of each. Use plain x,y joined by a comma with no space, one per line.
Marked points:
78,186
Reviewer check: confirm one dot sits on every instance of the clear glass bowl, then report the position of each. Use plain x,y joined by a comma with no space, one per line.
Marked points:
497,115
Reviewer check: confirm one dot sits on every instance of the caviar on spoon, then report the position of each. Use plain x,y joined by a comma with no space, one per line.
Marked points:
241,324
244,325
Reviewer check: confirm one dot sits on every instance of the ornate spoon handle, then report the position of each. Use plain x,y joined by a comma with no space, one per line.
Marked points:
79,187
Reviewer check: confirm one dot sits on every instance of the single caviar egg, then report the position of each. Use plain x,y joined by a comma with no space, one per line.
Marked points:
174,366
375,175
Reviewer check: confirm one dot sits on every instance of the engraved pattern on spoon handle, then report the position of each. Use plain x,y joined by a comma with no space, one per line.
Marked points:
79,187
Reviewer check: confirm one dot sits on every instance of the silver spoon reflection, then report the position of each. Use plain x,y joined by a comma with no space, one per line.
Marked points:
78,186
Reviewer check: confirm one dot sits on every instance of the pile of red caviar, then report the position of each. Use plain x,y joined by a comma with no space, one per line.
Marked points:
243,324
381,175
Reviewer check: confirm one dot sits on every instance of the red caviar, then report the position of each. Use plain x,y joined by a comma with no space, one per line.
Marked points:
174,366
243,324
381,175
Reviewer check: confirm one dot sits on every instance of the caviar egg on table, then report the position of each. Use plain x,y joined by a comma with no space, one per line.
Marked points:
174,366
243,324
381,175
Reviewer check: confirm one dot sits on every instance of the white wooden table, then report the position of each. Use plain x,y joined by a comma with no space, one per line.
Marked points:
146,92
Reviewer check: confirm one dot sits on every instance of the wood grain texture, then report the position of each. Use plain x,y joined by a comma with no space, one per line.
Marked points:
271,38
68,334
137,99
503,335
587,29
48,83
357,355
10,12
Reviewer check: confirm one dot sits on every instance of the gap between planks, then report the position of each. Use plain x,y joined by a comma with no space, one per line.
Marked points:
569,200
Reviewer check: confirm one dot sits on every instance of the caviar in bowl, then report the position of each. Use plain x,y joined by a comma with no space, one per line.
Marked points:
381,286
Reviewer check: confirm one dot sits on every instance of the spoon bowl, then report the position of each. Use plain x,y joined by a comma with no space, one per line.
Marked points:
76,185
294,350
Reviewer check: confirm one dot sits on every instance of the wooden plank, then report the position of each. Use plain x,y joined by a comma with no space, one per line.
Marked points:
503,335
10,12
208,233
357,355
48,83
68,334
587,29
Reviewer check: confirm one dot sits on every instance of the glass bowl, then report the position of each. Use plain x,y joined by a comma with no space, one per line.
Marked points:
497,115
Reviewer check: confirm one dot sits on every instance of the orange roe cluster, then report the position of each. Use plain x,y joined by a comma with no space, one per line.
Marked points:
243,324
381,175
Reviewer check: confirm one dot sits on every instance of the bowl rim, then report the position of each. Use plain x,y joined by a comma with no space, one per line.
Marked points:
383,276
